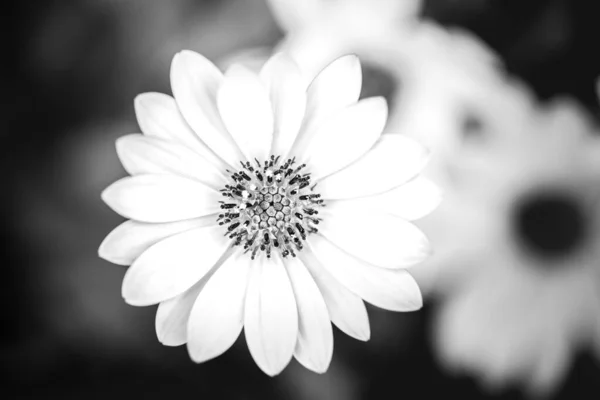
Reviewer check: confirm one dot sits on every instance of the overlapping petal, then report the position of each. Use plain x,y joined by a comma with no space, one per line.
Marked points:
161,198
173,265
394,290
270,315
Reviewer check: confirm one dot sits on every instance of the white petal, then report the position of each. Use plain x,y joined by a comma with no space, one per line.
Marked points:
217,316
173,265
288,99
130,239
392,161
345,137
315,336
146,155
246,111
161,198
346,309
336,87
158,116
195,81
380,239
173,315
411,201
270,315
394,290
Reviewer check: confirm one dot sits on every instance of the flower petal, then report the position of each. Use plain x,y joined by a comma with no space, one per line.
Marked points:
394,290
383,240
130,239
346,309
287,92
195,81
345,137
161,198
173,265
217,317
411,201
315,336
336,87
246,111
146,155
392,161
270,315
159,117
173,315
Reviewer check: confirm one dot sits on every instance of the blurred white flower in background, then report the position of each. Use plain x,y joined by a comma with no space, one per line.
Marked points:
517,239
227,229
432,76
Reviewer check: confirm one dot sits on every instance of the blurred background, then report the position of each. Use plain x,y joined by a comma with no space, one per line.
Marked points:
71,71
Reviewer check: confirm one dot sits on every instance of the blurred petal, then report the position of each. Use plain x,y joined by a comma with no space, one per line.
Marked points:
161,198
271,317
146,155
394,290
346,309
376,238
195,81
392,161
335,88
345,137
288,99
410,201
217,317
315,336
173,265
159,117
130,239
246,111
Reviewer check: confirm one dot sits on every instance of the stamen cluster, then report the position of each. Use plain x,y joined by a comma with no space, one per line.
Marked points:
270,206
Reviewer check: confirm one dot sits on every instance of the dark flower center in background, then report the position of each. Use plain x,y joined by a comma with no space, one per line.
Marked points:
550,224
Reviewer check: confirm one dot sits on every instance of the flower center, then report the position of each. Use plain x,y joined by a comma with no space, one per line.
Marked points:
550,224
270,206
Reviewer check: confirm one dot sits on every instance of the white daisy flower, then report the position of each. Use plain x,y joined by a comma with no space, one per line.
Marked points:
518,271
261,202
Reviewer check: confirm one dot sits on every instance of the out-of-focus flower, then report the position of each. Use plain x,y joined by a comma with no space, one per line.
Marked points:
228,227
432,76
518,246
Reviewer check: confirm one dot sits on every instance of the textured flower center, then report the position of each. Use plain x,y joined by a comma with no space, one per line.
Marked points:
550,224
270,206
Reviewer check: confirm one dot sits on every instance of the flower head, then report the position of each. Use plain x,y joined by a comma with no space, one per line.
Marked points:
266,202
518,274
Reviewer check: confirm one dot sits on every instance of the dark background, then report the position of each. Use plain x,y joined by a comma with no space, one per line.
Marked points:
70,73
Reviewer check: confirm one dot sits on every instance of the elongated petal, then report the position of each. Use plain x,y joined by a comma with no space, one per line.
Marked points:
411,201
130,239
173,315
246,111
287,92
270,315
146,155
336,87
315,336
392,161
345,137
173,265
394,290
195,81
383,240
161,198
217,316
346,309
159,117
